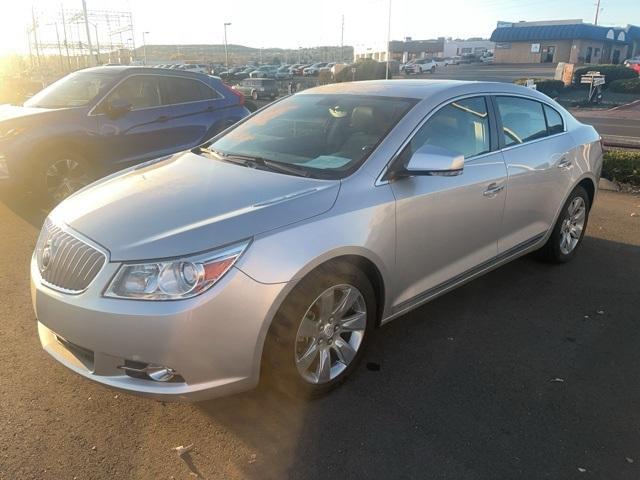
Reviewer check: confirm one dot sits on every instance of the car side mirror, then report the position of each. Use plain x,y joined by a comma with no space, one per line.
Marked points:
433,160
118,107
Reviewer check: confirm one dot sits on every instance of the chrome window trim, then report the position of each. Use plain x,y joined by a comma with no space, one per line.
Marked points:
122,80
87,241
525,97
379,180
531,142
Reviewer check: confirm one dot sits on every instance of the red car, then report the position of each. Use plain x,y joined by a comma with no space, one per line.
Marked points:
633,64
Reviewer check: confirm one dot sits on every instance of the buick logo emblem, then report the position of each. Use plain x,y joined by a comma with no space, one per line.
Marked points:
48,252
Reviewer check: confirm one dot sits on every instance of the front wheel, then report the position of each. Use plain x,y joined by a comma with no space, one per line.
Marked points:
254,95
320,333
569,228
62,175
432,70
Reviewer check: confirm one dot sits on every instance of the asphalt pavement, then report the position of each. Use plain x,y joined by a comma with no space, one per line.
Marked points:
529,372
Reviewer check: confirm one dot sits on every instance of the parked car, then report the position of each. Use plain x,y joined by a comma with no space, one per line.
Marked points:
192,67
299,71
468,58
313,70
284,72
634,64
327,67
487,58
257,88
452,60
102,119
419,66
275,249
265,71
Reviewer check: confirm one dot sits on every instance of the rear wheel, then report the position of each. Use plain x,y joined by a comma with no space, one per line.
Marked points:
321,331
569,229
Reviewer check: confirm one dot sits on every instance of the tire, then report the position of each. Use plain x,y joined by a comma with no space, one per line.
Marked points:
61,175
575,212
254,95
432,70
292,362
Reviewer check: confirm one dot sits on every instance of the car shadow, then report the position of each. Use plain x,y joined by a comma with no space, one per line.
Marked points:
25,205
518,374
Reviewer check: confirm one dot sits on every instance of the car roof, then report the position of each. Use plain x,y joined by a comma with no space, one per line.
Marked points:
422,89
126,70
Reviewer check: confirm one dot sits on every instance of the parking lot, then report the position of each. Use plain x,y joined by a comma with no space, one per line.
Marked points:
528,372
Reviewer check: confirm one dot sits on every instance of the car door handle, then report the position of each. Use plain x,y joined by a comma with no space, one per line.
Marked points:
493,190
162,118
565,163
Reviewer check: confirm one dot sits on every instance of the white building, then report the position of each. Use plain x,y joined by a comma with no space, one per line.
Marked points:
454,48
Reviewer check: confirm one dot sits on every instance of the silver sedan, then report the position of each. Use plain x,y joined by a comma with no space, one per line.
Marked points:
278,247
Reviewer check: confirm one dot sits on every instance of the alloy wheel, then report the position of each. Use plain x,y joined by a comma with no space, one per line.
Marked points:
64,177
572,225
330,334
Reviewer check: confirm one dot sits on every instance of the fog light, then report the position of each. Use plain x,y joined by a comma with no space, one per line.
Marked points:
149,371
160,374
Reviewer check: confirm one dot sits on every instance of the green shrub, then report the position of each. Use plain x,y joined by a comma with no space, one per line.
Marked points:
365,70
622,166
552,88
611,73
631,85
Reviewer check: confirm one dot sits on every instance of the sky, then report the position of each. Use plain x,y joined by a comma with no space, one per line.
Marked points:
293,24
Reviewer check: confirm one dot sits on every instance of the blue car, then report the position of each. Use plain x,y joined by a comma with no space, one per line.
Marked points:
99,120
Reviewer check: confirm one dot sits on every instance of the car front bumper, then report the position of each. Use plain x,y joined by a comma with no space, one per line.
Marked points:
213,341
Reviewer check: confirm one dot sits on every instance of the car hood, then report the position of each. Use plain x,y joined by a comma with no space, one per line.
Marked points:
188,203
13,112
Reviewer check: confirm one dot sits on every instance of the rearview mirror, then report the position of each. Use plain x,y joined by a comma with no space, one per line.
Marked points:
118,107
433,160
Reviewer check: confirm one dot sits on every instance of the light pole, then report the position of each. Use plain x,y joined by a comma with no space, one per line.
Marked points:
226,51
144,47
388,41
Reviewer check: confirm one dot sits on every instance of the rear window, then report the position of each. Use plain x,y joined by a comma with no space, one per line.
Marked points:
183,90
554,121
522,120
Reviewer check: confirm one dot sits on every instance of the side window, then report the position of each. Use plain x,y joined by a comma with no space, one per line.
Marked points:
522,120
183,90
141,91
462,127
554,121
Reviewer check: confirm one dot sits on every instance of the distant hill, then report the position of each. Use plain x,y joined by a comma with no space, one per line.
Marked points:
240,54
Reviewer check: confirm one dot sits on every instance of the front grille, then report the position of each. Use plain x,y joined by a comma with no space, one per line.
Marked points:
66,262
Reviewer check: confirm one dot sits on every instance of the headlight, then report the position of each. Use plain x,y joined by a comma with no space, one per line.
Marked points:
174,279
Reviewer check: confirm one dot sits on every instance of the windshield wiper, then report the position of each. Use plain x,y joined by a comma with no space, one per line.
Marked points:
255,161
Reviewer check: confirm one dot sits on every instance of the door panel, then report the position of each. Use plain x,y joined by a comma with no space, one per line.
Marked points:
140,134
539,169
447,225
194,109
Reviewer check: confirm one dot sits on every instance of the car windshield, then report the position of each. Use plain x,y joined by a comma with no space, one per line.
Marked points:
326,135
75,90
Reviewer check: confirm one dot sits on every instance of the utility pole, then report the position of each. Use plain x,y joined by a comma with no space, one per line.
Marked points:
59,48
595,22
388,41
144,47
64,32
226,48
342,41
86,26
35,34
